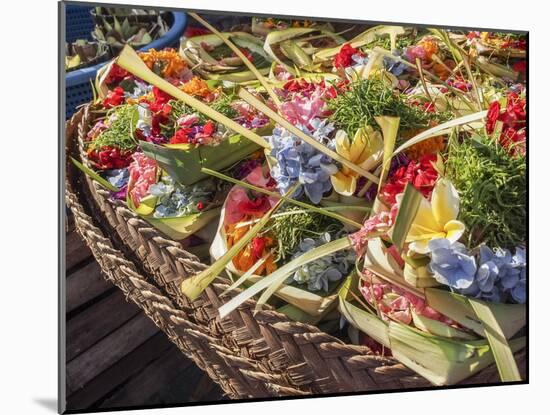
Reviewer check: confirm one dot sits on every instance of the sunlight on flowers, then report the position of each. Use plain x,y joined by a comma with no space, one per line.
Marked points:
363,150
436,219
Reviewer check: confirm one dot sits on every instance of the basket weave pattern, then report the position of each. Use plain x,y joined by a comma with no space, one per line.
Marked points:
249,354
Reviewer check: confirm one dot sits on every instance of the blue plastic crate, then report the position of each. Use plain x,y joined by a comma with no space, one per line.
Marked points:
78,89
79,23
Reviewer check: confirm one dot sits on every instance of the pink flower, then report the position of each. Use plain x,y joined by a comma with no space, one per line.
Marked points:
143,173
301,109
371,228
395,303
239,204
188,120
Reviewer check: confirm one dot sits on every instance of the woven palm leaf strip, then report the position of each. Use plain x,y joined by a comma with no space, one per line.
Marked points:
300,356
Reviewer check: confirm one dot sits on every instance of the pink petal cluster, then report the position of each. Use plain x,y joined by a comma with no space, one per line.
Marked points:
238,196
371,228
395,303
302,109
143,173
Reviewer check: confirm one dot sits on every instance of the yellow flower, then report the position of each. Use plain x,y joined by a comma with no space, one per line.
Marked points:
436,219
364,151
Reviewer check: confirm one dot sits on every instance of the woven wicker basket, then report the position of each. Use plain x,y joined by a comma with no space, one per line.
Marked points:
251,355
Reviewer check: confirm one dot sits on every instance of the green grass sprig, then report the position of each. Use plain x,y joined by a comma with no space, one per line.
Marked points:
120,133
293,224
493,191
370,98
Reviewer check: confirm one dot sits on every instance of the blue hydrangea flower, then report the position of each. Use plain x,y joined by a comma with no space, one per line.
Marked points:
395,67
499,276
519,293
117,177
451,264
140,89
175,200
391,65
320,273
299,161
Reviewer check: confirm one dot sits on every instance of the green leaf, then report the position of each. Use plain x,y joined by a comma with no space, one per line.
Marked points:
512,317
441,129
296,54
244,59
405,216
182,227
438,328
277,36
184,161
95,176
389,127
442,361
504,356
273,282
364,38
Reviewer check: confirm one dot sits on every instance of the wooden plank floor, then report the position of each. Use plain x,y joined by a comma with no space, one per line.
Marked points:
116,356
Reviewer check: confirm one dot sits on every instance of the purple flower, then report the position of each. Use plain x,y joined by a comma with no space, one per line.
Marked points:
118,178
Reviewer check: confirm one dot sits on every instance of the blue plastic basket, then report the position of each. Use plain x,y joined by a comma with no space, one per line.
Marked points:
79,23
78,89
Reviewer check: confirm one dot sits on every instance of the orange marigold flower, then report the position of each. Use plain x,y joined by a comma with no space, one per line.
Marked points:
429,146
196,87
430,46
171,63
256,249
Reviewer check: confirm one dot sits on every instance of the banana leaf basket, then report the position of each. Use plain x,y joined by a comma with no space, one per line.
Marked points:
250,355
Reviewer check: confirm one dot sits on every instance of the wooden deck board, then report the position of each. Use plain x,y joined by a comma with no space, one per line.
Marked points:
96,322
108,351
116,356
84,285
102,385
140,388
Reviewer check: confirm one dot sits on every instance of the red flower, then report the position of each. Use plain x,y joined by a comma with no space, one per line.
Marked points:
343,58
255,207
116,74
520,66
513,140
196,31
107,158
181,136
492,116
258,245
200,206
247,54
160,98
114,98
429,107
208,129
515,109
513,123
421,174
